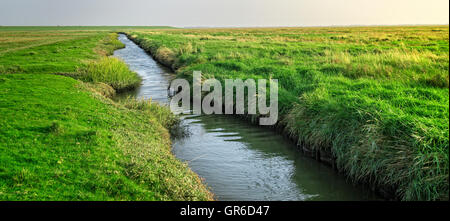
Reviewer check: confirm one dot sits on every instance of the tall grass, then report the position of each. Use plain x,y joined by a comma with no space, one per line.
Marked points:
112,71
376,98
421,66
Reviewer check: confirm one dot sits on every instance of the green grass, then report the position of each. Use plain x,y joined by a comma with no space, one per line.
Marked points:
377,98
61,142
111,71
78,28
63,139
51,52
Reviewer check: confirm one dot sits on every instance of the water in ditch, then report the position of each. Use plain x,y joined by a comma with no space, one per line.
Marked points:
239,161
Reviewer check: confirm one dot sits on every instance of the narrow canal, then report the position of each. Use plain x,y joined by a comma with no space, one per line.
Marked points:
240,161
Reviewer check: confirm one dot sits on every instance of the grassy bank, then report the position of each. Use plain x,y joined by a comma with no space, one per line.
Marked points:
63,139
377,98
111,71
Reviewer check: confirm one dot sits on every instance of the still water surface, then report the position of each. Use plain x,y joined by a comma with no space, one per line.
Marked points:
240,161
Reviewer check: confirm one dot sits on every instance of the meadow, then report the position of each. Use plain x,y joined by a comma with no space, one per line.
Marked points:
375,98
63,138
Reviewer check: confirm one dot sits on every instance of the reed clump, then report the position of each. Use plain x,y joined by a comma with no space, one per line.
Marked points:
111,71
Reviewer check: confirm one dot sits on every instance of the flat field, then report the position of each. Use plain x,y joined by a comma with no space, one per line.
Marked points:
377,98
64,139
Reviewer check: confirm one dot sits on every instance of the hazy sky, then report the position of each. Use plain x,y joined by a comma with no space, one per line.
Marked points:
182,13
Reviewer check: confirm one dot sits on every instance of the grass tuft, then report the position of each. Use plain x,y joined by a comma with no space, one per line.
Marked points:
111,71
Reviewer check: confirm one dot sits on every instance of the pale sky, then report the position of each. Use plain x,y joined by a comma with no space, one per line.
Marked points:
223,13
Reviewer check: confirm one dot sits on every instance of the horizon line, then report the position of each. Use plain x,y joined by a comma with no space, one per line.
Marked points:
256,26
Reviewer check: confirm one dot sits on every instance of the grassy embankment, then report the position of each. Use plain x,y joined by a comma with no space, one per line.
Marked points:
376,98
63,139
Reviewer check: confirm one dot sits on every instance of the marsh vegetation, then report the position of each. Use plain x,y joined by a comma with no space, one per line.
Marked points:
376,98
